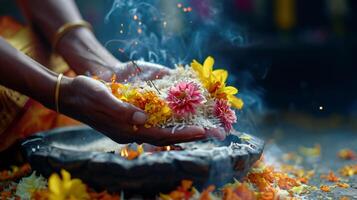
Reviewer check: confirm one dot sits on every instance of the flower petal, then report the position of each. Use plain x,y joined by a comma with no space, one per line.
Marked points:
66,176
197,67
221,75
54,184
235,101
230,90
208,66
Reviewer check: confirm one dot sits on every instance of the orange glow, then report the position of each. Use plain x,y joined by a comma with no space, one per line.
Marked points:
131,154
168,148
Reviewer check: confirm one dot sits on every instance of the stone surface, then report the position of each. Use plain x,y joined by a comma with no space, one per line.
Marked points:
207,162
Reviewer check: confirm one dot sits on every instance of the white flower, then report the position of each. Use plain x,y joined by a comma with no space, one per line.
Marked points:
30,184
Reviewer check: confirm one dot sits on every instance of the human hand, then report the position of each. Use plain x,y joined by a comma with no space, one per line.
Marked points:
90,101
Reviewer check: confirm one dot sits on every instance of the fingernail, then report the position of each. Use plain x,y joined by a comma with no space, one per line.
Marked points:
139,118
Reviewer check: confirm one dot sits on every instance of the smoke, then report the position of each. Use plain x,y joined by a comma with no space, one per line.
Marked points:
176,32
170,32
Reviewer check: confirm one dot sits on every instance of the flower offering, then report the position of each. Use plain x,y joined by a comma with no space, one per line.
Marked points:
194,94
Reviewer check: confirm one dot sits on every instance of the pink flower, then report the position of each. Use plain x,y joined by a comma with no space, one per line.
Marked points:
225,114
183,98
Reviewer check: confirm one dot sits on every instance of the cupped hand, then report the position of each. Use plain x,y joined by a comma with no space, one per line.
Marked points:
90,101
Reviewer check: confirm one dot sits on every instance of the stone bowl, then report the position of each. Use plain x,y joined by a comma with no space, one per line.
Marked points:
92,157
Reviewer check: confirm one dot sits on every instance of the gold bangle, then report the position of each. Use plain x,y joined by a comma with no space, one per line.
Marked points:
57,91
67,27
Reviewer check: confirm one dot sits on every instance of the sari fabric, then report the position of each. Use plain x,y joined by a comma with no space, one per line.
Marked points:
21,116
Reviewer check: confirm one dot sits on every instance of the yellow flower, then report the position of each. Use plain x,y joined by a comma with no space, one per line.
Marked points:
156,108
215,82
66,188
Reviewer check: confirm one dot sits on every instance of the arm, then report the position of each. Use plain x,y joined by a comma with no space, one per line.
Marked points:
25,75
86,100
79,47
48,16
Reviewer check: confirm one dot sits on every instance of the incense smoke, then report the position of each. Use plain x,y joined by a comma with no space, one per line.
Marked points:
175,32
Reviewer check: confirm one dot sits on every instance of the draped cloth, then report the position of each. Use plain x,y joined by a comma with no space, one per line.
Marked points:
21,116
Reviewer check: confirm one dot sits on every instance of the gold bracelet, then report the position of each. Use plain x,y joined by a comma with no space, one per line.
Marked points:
57,91
67,27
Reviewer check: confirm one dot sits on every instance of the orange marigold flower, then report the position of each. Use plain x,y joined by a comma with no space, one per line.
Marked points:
330,177
287,183
206,194
184,191
228,194
347,154
156,108
267,195
325,188
344,198
348,170
343,185
244,192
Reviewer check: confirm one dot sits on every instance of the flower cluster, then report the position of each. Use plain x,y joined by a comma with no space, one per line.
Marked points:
195,95
215,82
156,108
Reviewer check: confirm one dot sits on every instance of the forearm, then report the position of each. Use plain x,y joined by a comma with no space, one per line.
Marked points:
79,47
21,73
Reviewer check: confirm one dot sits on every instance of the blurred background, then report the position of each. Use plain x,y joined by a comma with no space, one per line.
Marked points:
292,60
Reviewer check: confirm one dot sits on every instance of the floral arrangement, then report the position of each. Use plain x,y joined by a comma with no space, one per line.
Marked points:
190,95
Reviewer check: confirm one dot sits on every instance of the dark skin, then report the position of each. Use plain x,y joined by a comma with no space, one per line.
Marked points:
84,98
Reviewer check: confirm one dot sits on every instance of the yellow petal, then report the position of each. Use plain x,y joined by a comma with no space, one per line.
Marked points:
221,75
230,90
55,184
208,66
236,102
197,67
66,176
78,190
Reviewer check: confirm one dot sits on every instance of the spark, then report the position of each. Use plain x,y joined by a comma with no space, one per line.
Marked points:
189,9
164,24
140,23
184,9
121,31
140,30
179,5
135,17
321,108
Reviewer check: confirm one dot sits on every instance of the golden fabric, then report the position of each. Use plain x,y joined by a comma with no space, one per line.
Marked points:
21,116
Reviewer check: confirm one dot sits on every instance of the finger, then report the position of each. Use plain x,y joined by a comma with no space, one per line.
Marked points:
164,136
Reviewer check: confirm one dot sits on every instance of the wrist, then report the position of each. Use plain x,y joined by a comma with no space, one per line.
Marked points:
64,100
